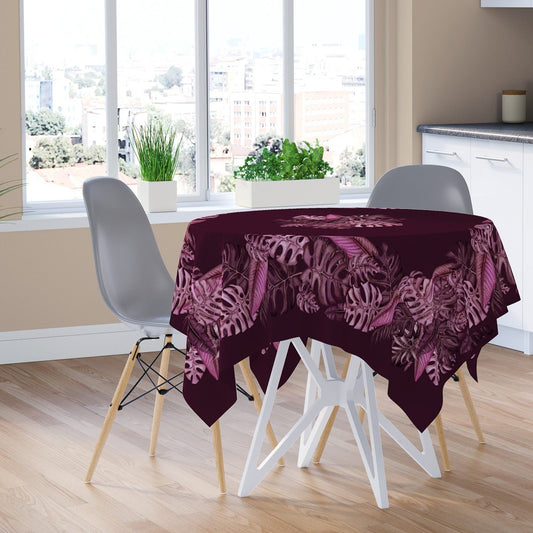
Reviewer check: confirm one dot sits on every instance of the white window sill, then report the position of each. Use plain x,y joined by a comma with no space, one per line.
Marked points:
185,213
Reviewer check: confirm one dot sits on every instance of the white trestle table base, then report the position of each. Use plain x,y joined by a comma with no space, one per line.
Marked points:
322,395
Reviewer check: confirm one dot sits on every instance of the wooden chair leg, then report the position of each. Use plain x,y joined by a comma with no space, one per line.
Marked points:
331,420
442,443
112,411
160,398
219,459
470,405
258,402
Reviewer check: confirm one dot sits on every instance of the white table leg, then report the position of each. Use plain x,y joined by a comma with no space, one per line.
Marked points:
311,391
426,457
254,474
322,395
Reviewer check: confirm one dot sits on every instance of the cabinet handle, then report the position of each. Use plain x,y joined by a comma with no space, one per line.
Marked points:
497,159
439,152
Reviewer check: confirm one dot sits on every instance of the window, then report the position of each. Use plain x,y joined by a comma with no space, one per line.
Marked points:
105,66
65,96
330,88
156,77
253,62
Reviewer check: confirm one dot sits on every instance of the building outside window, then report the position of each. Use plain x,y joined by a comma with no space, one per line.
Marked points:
68,88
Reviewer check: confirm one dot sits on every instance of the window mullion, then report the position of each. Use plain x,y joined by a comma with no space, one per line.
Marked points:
202,100
370,109
111,88
288,69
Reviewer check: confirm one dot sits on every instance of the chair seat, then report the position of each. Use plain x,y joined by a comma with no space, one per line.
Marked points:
157,327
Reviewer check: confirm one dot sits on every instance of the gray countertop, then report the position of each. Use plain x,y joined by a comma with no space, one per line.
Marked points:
499,131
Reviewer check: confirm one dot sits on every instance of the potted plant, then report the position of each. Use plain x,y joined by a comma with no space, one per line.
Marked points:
292,175
156,147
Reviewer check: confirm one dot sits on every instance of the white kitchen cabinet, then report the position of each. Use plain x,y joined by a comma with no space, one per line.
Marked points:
499,175
527,283
448,151
506,3
496,190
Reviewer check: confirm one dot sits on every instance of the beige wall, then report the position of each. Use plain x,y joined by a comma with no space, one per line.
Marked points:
48,278
445,61
10,116
436,61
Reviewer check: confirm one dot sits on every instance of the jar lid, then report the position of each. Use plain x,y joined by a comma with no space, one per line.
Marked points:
513,92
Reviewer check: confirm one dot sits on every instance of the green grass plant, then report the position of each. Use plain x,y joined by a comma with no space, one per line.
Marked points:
157,149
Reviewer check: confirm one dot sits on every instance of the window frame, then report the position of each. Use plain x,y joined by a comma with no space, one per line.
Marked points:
203,193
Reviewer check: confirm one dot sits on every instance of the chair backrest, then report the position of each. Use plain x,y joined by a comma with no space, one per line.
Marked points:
428,187
131,274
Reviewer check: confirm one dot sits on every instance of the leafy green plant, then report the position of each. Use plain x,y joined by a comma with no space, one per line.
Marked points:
8,186
293,162
45,122
52,152
157,149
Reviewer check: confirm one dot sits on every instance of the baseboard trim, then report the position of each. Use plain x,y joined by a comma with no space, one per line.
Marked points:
515,339
73,342
25,346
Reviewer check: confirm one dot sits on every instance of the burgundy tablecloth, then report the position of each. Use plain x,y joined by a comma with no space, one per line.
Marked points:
414,293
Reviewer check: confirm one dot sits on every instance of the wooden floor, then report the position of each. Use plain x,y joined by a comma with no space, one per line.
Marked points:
51,414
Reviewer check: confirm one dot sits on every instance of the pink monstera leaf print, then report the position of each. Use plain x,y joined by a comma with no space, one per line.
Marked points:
283,282
236,316
389,271
385,315
258,246
405,344
327,271
306,300
362,305
354,246
205,340
205,300
473,305
257,280
422,361
482,237
416,292
235,266
288,249
338,221
486,278
194,366
182,292
187,252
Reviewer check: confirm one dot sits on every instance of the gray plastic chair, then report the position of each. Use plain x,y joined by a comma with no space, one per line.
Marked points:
427,187
137,288
437,188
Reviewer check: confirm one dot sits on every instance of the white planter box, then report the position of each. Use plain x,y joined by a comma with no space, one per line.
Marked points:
287,193
157,196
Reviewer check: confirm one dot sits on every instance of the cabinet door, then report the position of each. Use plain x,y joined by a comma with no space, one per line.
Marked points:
527,294
448,151
496,189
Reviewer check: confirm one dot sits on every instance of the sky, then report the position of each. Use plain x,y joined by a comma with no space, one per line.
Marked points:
58,27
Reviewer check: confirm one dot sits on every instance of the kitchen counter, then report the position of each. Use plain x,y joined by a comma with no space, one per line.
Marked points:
499,131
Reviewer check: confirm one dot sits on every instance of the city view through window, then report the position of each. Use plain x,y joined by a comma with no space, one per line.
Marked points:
65,86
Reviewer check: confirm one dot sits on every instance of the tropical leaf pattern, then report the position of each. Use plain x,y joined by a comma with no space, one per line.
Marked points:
336,221
429,320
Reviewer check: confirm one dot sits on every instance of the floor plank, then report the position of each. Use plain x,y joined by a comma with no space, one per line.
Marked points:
51,414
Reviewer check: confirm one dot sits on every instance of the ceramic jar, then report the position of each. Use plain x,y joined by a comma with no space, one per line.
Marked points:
513,106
